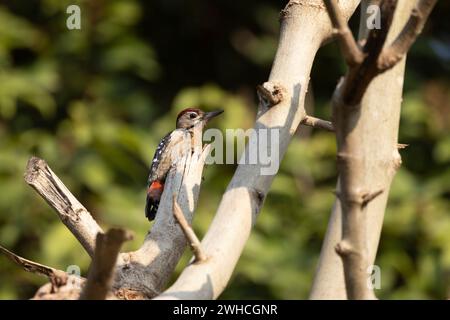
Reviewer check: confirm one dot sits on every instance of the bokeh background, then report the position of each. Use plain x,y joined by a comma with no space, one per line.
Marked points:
94,103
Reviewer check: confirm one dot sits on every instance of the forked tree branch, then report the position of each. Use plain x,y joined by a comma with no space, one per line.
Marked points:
376,128
148,269
354,192
142,273
360,75
145,272
305,25
346,109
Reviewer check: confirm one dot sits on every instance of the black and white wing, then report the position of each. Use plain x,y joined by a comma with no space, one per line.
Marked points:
159,158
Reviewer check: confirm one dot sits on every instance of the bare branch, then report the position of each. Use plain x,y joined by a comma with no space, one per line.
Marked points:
244,197
56,277
193,241
401,45
353,246
317,123
367,161
351,167
359,77
350,50
351,256
377,36
101,274
71,212
139,274
148,269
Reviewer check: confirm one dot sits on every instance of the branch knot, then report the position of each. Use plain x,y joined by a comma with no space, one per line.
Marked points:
270,94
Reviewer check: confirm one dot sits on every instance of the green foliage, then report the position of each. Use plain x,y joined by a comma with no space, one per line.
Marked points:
95,102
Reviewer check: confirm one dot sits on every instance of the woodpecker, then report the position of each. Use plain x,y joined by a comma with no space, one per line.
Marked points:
190,120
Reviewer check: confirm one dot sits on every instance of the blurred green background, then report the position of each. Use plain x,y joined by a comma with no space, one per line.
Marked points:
94,103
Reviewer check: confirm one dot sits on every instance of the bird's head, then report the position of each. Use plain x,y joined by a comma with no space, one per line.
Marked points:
192,117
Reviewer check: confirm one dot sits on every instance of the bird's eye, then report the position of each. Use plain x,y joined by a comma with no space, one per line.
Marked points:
192,115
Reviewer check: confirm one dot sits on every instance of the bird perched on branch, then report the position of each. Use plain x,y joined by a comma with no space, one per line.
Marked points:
190,123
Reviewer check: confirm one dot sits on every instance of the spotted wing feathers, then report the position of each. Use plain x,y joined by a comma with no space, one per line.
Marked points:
161,164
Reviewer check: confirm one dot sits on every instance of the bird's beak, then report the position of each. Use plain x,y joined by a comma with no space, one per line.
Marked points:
209,115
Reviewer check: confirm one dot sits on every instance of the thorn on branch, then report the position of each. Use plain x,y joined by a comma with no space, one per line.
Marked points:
189,233
402,145
317,123
366,198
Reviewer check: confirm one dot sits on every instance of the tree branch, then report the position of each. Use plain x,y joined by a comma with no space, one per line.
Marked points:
71,212
56,277
401,45
192,239
351,166
148,269
350,49
377,36
244,197
142,273
366,120
101,273
317,123
360,75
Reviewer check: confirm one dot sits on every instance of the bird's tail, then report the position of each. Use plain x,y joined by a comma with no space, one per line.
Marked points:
154,193
151,207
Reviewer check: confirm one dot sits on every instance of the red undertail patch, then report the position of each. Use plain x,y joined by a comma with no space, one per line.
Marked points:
155,190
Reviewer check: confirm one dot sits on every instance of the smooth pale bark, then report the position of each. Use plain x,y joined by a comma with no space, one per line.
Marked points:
378,128
305,25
